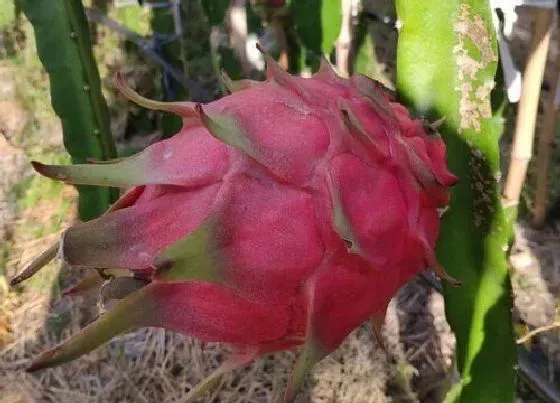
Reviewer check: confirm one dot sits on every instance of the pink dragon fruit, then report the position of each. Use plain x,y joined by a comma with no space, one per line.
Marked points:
282,216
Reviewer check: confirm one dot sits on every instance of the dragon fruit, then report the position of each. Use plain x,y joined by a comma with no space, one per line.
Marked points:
282,216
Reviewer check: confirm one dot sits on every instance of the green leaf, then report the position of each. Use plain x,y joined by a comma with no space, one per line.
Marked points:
446,63
215,10
64,47
331,20
309,15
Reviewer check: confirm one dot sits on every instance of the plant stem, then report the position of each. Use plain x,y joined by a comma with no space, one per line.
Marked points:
528,106
544,147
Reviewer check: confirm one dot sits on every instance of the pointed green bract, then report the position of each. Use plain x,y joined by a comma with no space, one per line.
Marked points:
356,128
128,172
127,315
344,229
237,85
310,354
132,237
89,283
36,264
199,309
376,322
341,223
162,163
226,129
121,287
237,360
282,77
183,109
325,68
273,69
94,281
190,258
375,93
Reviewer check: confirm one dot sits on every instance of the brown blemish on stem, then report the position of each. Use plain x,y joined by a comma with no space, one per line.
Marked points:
472,34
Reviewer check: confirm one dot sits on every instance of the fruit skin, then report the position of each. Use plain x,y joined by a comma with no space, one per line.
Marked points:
281,216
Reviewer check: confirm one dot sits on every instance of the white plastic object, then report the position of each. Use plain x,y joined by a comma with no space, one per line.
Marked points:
512,75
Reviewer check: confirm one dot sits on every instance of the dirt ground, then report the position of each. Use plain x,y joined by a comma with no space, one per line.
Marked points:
154,365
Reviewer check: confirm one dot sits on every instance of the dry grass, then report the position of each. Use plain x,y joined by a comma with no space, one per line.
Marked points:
536,286
154,365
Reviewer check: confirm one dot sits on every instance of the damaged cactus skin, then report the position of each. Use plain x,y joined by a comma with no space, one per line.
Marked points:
282,216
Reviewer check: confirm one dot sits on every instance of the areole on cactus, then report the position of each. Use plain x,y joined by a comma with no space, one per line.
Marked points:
282,216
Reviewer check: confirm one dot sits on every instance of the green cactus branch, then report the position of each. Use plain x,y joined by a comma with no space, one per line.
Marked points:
92,85
446,63
64,47
318,25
